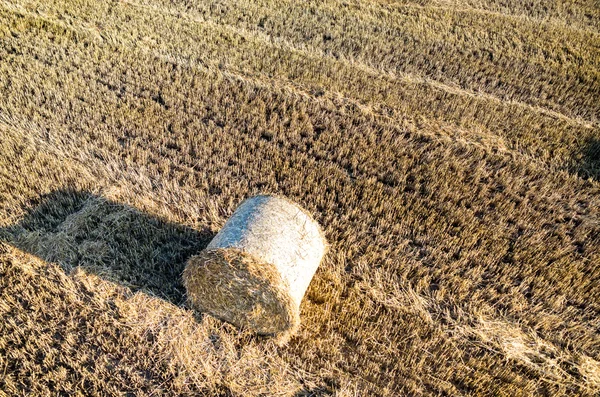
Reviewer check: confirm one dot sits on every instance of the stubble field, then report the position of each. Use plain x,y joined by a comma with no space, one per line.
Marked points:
451,152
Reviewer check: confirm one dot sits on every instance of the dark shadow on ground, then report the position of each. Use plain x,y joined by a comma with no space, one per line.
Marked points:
112,240
314,392
591,160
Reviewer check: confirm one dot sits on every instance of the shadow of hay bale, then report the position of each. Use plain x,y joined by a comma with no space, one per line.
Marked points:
314,392
112,240
591,160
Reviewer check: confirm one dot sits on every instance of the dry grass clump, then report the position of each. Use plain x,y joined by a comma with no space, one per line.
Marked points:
256,270
450,155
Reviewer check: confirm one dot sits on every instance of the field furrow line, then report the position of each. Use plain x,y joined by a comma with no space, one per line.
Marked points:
335,101
460,8
403,77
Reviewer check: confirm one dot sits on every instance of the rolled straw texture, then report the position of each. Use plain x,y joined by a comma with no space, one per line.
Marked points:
255,271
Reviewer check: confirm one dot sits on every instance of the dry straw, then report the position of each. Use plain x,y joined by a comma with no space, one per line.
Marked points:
256,270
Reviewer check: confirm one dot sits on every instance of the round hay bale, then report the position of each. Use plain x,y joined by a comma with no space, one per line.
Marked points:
256,270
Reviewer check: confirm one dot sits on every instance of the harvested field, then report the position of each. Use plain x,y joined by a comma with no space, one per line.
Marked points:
451,153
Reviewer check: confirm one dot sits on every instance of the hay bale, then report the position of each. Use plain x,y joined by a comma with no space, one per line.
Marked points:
256,270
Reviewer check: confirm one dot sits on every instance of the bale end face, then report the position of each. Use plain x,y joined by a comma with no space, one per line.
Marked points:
238,288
